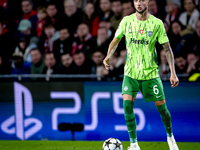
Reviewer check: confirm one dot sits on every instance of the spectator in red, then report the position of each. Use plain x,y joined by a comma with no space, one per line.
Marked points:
52,13
41,15
105,10
91,19
83,42
72,16
28,12
27,9
105,14
191,14
48,37
173,11
127,8
116,7
63,45
3,3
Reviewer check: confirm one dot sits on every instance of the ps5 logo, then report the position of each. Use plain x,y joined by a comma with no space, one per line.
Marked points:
26,126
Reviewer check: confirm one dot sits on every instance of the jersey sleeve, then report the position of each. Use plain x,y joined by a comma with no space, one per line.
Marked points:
162,36
121,29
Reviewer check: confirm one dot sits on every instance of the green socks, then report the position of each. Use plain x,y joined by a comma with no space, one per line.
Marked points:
130,120
166,118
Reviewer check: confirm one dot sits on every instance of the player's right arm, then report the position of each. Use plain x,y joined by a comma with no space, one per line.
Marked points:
112,47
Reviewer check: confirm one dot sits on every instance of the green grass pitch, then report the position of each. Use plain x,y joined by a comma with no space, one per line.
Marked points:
86,145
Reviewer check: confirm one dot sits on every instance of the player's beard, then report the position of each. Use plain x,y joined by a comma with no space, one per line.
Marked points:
141,12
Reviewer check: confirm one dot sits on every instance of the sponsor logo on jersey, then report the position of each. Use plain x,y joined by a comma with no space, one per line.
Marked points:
144,41
141,31
150,33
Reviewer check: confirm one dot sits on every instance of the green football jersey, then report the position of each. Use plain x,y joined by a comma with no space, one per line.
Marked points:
141,37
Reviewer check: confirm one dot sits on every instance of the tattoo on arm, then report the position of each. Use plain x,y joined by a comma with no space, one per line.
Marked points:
169,56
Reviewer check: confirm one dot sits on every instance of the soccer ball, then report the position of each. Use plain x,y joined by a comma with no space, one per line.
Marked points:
112,144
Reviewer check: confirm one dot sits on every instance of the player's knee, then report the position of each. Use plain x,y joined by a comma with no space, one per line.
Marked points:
159,103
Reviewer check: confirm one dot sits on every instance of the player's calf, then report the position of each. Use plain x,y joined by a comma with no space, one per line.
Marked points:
130,120
166,118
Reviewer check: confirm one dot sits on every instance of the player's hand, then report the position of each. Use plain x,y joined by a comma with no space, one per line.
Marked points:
106,63
174,80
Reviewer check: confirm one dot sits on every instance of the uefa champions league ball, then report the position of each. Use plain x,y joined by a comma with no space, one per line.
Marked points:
112,144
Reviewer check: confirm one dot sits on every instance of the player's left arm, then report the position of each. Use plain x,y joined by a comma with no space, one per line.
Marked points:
170,58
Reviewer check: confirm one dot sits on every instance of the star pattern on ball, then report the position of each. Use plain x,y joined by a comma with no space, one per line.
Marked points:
108,142
117,144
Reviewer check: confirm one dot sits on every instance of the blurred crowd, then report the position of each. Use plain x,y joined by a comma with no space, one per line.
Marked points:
72,36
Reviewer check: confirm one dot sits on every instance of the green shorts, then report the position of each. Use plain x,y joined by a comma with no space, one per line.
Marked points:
152,90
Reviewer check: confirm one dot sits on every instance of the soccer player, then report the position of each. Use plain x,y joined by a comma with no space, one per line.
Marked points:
142,31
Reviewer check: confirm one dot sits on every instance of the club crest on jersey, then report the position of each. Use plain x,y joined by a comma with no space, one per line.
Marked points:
150,33
141,31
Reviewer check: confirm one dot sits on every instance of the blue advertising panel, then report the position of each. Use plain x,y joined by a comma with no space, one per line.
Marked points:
33,111
104,113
